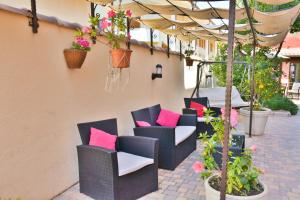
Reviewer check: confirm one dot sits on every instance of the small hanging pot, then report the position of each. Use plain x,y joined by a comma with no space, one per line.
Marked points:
74,57
120,58
189,61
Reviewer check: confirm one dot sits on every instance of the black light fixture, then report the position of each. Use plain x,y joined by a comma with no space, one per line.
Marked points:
158,73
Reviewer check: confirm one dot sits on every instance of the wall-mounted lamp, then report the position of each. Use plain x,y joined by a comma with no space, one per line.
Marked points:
158,73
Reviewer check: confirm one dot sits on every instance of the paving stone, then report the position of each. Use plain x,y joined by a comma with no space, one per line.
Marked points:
277,152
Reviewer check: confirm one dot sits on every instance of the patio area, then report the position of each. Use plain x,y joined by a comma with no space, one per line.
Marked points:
277,153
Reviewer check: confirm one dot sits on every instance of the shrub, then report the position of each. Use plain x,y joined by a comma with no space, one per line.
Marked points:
281,103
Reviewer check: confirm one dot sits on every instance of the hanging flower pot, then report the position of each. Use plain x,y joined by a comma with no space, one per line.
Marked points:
120,58
74,57
189,61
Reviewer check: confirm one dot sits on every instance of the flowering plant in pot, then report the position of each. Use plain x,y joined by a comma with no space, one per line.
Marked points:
188,53
242,175
115,28
76,55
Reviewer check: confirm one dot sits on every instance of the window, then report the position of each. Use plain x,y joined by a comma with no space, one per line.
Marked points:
201,43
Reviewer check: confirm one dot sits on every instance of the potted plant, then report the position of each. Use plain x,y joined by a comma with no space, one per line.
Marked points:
242,176
260,114
115,28
76,55
188,60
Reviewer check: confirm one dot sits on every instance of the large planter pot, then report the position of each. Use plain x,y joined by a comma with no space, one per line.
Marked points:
212,194
237,148
259,120
189,61
74,57
120,58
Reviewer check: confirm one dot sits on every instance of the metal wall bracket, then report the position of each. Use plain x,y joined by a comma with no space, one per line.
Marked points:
93,8
168,44
33,20
151,41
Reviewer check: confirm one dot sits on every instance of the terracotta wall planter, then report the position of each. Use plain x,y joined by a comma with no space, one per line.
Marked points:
120,58
212,194
74,57
189,61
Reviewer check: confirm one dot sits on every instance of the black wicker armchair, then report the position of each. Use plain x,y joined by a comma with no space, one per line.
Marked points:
175,144
202,127
125,174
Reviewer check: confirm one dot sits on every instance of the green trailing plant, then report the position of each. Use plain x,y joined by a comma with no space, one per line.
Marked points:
242,174
188,52
279,102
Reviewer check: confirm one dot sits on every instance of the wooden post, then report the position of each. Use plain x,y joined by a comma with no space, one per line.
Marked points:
223,186
151,41
252,86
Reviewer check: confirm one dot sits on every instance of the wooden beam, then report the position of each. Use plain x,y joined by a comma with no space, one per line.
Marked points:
230,62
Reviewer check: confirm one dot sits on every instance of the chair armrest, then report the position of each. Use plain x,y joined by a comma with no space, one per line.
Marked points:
189,111
187,120
97,163
141,146
216,111
166,135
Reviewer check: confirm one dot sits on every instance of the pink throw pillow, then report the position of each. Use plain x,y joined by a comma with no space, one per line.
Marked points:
167,118
198,107
142,124
102,139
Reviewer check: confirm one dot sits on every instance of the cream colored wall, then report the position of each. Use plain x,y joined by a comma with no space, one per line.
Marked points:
42,100
76,11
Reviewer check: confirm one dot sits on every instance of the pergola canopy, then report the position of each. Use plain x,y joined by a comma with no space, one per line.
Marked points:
181,19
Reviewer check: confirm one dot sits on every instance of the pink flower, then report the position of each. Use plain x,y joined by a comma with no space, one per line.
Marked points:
111,14
253,148
233,117
198,167
86,29
104,23
82,42
128,13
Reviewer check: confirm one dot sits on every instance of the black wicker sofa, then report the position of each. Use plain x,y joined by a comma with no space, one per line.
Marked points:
175,144
128,173
202,126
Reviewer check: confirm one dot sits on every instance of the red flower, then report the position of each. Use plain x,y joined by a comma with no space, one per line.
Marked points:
111,14
128,13
198,167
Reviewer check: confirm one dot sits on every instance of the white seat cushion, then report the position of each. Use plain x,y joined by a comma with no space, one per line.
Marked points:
129,163
183,132
202,119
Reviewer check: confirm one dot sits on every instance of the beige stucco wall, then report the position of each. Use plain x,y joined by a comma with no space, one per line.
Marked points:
42,100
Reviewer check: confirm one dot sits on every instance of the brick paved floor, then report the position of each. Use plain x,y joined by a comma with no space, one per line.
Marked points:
278,153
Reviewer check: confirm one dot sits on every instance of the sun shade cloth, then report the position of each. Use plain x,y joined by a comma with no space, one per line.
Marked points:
180,19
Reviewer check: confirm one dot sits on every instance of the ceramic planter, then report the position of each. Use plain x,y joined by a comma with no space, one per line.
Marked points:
74,57
189,61
212,194
120,58
259,120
